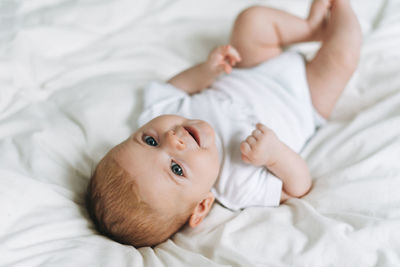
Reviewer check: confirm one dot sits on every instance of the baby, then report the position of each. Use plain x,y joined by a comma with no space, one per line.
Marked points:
242,131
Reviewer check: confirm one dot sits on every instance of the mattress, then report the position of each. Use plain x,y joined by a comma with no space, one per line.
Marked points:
72,73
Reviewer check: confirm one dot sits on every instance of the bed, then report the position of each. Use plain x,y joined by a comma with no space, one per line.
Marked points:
71,81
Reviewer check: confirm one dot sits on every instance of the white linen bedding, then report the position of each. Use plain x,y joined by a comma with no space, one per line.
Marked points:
70,89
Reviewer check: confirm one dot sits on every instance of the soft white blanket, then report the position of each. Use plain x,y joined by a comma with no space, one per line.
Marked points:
70,89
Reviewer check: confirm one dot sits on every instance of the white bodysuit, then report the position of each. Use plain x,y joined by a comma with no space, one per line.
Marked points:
274,93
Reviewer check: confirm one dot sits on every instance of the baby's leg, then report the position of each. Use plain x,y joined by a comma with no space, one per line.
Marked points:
332,67
259,32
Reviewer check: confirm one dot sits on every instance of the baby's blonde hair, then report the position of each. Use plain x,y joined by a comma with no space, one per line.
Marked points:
115,206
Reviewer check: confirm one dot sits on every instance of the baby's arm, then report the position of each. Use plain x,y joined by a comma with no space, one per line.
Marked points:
201,76
263,148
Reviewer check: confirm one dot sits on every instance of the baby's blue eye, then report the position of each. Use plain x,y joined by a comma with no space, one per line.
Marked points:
150,141
176,169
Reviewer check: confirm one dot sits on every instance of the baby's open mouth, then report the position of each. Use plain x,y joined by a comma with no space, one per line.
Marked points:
194,134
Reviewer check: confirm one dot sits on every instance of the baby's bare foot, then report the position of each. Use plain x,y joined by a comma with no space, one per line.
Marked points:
317,18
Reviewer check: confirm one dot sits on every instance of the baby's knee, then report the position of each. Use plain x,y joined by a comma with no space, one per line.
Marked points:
250,25
351,59
250,16
338,63
347,58
253,14
250,12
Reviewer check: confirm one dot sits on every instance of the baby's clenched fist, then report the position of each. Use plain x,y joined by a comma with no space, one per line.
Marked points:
260,147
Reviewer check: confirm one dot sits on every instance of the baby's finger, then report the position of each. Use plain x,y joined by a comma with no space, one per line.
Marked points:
257,134
230,54
232,61
233,53
262,128
245,148
245,159
251,141
227,68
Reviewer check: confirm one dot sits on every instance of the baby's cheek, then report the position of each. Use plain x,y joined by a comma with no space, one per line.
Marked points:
209,165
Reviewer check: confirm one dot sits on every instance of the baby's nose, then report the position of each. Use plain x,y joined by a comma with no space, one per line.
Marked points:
175,141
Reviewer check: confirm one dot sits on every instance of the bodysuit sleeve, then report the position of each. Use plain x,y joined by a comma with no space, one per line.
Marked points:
161,98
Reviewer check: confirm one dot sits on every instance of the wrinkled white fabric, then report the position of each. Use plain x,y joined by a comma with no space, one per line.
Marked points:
71,88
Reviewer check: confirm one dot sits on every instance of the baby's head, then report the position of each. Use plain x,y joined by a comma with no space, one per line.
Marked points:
146,188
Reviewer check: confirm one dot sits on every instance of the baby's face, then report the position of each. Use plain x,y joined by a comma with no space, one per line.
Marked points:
173,160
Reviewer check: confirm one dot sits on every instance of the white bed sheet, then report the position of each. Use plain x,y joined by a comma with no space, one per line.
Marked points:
70,89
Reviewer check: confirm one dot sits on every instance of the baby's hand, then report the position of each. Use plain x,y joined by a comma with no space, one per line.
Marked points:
261,147
223,58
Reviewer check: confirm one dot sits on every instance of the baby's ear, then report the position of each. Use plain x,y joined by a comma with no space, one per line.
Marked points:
201,210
